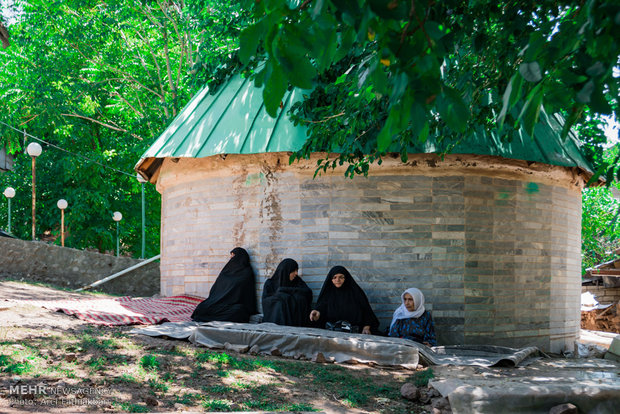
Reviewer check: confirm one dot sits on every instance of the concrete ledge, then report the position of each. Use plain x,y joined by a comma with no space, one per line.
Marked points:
72,268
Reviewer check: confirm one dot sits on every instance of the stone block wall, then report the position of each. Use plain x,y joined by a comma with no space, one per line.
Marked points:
72,268
498,259
604,295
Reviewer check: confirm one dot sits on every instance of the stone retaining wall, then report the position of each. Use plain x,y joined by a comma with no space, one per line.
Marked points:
74,268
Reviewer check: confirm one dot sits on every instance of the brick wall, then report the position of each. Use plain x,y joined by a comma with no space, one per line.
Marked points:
498,259
604,295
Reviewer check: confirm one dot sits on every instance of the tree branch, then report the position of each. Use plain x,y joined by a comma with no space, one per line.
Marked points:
95,121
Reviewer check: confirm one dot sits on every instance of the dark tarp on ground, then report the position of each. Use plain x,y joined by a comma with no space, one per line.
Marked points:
335,346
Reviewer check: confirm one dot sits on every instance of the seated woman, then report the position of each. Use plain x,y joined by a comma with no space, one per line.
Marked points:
233,295
341,299
412,321
286,298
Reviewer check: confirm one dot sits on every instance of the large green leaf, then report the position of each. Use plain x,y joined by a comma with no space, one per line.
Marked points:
452,109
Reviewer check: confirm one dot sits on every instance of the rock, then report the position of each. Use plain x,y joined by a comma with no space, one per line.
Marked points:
567,408
424,395
151,401
614,349
320,358
70,357
436,411
169,348
409,391
275,352
440,403
254,350
234,407
179,407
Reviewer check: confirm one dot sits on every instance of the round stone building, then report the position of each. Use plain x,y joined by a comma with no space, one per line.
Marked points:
490,233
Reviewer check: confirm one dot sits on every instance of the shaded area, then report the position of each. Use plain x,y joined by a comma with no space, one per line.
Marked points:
593,385
143,374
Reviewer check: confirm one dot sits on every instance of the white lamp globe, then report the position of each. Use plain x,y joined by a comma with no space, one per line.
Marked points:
9,192
140,178
62,204
117,216
34,149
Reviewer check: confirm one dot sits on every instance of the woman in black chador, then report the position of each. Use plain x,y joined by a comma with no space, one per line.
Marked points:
233,295
341,299
286,298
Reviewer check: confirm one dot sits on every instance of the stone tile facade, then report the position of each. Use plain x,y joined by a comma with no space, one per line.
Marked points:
498,259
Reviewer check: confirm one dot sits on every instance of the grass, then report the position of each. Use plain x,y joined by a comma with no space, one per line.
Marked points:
149,363
178,373
421,378
9,366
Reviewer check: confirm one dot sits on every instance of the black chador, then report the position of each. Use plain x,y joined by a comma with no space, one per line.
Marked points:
345,303
233,295
286,301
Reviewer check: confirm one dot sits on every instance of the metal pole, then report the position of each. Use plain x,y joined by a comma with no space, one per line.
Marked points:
143,225
122,272
62,227
117,245
34,196
9,214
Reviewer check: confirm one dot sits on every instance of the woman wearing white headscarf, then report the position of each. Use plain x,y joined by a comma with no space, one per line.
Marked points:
412,321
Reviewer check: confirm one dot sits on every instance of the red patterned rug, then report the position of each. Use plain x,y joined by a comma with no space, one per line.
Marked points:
126,310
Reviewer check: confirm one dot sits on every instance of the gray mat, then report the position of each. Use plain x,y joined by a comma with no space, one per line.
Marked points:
335,346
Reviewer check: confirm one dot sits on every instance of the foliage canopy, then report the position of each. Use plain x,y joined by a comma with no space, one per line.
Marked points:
102,78
424,67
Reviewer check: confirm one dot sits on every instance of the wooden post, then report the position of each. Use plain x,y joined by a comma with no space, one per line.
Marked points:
62,227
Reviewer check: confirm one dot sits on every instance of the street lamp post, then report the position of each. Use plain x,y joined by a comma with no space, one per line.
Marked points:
117,217
9,193
141,180
34,150
62,204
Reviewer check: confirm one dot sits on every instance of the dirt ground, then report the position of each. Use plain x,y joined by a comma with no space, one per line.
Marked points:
52,362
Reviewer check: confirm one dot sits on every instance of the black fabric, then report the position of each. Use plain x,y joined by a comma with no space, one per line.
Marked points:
346,303
286,301
233,295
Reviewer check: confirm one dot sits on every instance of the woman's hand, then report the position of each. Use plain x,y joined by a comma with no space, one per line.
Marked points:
366,330
315,315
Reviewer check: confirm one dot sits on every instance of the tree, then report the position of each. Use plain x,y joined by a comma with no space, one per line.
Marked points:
600,223
426,67
101,79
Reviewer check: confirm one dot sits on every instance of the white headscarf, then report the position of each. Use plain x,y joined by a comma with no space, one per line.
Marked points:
402,313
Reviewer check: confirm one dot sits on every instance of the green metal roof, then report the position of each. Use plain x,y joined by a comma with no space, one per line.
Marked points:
231,121
234,121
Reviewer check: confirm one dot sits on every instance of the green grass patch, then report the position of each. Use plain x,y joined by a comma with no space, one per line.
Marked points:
188,398
10,366
216,405
158,385
217,389
421,378
132,408
97,364
150,363
89,341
